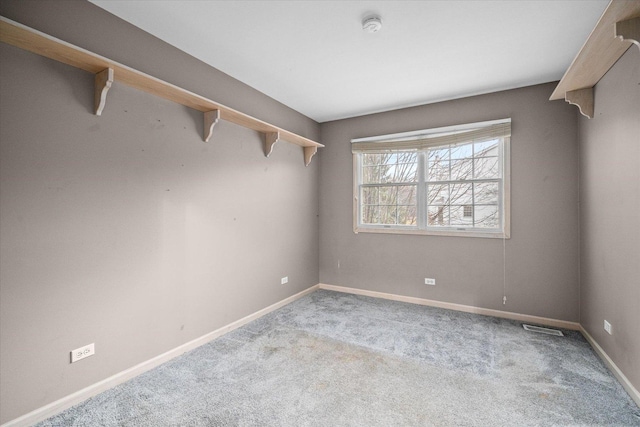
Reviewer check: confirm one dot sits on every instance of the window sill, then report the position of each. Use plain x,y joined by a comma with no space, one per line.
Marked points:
447,233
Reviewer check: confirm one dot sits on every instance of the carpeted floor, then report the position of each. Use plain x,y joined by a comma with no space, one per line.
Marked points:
333,359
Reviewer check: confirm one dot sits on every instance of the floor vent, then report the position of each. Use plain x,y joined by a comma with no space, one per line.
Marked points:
542,330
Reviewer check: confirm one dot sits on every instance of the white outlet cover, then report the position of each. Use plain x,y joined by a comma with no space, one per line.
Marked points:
428,281
83,352
284,280
607,327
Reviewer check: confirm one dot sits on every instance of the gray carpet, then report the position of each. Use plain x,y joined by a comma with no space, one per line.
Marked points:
333,359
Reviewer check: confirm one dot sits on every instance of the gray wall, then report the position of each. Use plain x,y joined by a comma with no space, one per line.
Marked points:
543,252
128,230
610,215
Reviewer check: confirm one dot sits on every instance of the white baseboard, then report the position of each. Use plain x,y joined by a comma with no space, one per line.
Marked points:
457,307
66,402
635,395
60,405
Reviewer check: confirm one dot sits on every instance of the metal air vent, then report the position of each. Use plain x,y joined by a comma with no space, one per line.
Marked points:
542,330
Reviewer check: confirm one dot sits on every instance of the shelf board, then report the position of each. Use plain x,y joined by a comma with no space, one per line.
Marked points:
107,71
614,33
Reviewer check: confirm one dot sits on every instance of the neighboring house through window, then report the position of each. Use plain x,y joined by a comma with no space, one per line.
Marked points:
446,181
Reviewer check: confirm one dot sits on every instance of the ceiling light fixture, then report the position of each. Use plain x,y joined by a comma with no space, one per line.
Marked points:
372,24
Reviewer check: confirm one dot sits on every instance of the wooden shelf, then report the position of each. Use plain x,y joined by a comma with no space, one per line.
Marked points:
617,29
107,71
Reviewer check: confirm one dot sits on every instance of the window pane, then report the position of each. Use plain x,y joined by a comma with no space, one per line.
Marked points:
388,215
392,167
408,172
407,157
461,170
370,159
369,196
370,174
461,194
407,215
438,171
486,148
387,173
438,154
438,216
370,215
486,217
458,218
486,193
407,195
388,195
438,194
401,172
486,168
462,151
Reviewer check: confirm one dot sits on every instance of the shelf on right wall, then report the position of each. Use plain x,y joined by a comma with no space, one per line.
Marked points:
617,29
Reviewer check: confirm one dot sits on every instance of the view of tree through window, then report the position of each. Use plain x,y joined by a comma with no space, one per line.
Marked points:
389,188
463,183
453,186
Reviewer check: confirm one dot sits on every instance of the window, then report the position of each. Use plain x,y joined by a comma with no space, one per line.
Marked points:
447,181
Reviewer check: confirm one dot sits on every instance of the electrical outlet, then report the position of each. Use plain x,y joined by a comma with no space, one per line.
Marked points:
428,281
607,327
284,280
82,352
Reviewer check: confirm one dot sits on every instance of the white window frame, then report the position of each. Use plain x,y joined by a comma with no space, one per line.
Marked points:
404,140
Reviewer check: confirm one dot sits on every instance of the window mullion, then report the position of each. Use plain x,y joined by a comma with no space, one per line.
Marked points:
421,199
473,185
473,204
501,183
358,202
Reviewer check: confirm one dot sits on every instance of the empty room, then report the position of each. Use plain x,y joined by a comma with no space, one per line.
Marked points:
319,213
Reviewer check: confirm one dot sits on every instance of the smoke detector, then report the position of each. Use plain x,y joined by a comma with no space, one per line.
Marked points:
372,24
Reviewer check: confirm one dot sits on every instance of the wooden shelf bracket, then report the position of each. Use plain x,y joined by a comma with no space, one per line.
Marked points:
103,82
629,30
270,139
583,99
211,118
617,29
309,152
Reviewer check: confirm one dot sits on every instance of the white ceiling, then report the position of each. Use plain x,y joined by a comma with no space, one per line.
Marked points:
314,56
